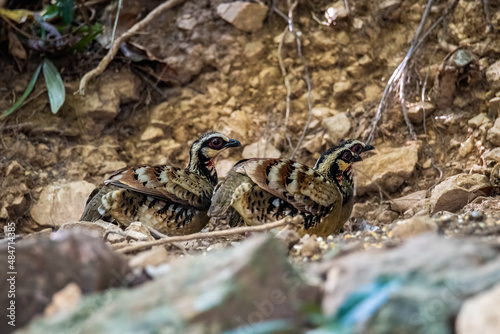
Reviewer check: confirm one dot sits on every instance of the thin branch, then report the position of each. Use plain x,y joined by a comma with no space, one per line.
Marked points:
116,21
487,15
400,72
291,28
239,230
285,75
402,98
14,127
118,42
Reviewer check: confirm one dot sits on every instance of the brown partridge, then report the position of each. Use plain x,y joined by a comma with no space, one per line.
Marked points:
264,190
170,199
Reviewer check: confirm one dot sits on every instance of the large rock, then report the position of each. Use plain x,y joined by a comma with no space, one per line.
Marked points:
45,265
416,288
246,16
232,289
456,191
61,202
480,314
388,169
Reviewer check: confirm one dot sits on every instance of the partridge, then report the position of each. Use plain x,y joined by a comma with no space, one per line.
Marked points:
170,199
258,191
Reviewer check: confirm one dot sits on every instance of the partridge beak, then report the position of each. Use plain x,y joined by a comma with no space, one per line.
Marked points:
356,157
368,147
232,143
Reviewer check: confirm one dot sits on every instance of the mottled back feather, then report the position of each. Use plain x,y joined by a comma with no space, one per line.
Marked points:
165,183
301,186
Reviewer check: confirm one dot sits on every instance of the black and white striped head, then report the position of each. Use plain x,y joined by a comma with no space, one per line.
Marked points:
335,161
355,145
204,151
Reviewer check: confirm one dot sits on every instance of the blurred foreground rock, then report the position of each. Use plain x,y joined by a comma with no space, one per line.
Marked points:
480,314
431,277
45,265
231,289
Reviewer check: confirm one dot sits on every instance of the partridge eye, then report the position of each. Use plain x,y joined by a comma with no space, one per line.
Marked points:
357,148
215,143
347,156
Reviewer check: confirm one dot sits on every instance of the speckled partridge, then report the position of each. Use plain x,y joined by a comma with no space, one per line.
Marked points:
170,199
258,191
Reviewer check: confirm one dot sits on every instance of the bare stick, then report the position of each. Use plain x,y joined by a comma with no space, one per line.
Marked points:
116,21
118,42
292,29
401,72
148,244
402,98
487,15
285,76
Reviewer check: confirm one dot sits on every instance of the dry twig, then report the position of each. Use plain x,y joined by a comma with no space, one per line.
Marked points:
118,42
239,230
291,29
399,75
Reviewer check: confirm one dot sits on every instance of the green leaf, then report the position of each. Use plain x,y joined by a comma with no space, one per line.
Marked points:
50,12
27,92
55,86
66,10
87,39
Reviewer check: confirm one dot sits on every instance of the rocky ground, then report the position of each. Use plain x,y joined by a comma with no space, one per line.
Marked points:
213,69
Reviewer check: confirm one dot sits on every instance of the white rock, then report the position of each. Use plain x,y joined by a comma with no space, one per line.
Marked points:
416,111
495,107
187,22
254,50
323,112
337,126
111,166
494,133
61,202
479,120
342,87
493,154
260,149
269,75
246,16
152,133
493,75
479,314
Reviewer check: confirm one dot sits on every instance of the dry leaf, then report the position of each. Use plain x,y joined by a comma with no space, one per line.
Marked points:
15,47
